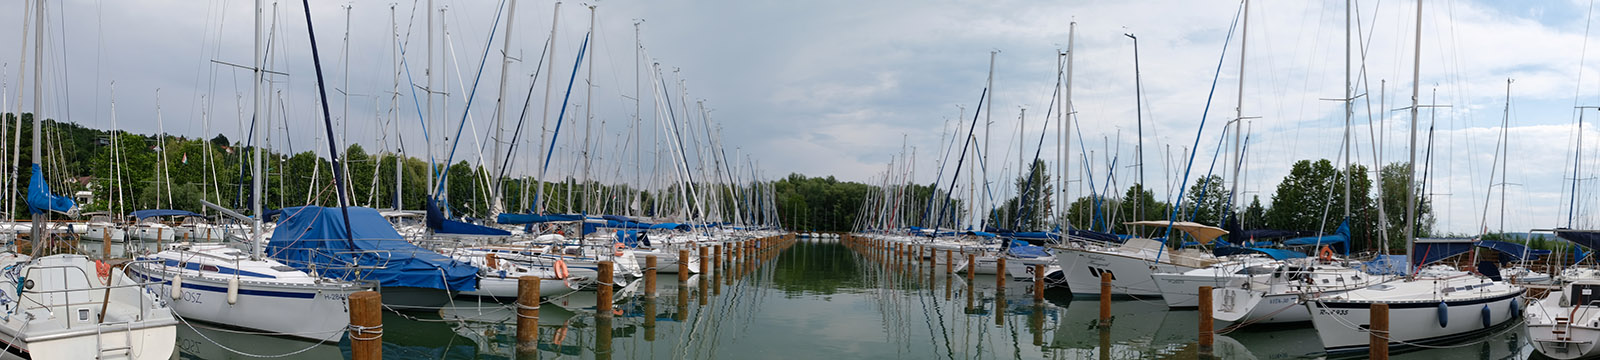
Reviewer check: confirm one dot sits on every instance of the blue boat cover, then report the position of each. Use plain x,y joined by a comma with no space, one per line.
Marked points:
40,199
1428,251
1512,251
309,236
1039,235
1340,239
670,226
617,218
1024,250
979,233
1095,235
142,214
1385,265
1276,254
512,219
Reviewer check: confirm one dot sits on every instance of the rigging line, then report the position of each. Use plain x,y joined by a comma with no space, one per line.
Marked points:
563,113
439,187
327,121
968,143
517,134
1201,128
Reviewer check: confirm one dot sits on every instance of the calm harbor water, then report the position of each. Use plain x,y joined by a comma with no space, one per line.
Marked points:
816,299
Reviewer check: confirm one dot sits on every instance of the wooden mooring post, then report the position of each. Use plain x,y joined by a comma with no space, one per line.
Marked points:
683,266
528,314
1000,272
1207,332
366,325
705,260
949,261
1038,283
1105,301
972,268
650,275
602,303
1378,330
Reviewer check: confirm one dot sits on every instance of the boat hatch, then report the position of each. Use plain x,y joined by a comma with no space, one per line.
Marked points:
1381,287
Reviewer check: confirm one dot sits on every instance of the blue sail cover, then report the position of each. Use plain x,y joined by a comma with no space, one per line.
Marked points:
670,226
628,237
1035,235
309,236
1276,254
1095,235
444,225
1340,239
1428,251
514,219
1586,238
1513,251
41,200
142,214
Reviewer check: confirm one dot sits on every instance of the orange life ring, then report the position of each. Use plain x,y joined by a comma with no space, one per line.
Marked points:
1326,254
561,269
104,270
619,250
561,335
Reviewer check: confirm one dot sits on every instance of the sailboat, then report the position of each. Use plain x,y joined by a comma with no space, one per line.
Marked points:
1424,307
241,287
52,308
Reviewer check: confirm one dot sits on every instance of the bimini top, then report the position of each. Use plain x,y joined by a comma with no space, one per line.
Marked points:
310,236
1201,232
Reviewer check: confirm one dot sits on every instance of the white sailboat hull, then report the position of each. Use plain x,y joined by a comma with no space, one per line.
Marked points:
1341,323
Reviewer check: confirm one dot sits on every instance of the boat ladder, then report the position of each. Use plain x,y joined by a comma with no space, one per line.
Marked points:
127,335
1562,328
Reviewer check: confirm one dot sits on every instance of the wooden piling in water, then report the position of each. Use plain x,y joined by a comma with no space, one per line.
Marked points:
650,275
105,243
1207,332
602,304
705,264
602,339
528,314
1038,283
366,325
1378,330
650,318
1000,272
1105,300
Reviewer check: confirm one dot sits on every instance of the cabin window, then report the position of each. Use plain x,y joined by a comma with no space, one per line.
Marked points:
211,268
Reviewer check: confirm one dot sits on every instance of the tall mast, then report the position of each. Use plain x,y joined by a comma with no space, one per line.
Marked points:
1138,106
37,230
988,109
588,118
1066,128
638,120
1411,167
399,157
1349,107
429,117
344,135
538,200
255,133
1238,119
495,202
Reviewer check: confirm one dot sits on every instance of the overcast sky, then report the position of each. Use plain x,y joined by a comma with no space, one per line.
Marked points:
840,87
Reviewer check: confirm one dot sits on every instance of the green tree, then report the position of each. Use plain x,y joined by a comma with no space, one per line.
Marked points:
1205,201
1393,178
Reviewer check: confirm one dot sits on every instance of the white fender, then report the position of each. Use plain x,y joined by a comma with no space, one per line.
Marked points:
177,286
233,291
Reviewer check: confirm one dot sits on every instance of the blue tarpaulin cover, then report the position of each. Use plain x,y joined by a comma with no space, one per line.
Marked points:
670,226
1586,238
1512,251
1022,249
510,219
141,214
1096,235
315,235
628,237
443,225
1385,265
39,197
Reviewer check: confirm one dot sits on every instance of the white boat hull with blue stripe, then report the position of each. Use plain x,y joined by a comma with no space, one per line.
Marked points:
269,297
